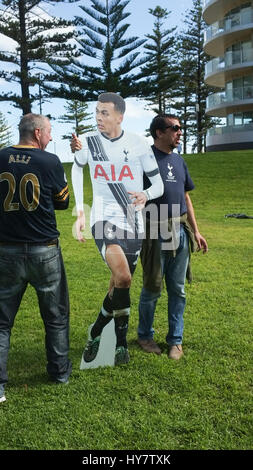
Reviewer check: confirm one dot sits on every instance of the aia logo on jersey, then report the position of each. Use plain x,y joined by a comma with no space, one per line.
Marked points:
111,175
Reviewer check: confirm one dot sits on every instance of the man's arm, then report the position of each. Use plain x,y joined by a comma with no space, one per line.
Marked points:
155,190
75,143
201,242
60,190
77,183
61,200
151,170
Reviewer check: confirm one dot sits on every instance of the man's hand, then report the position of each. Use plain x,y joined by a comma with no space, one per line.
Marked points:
201,242
139,200
80,226
75,143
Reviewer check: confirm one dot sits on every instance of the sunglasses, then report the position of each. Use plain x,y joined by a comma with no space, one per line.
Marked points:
174,127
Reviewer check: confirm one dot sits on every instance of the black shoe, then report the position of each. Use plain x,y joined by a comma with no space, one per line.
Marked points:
121,356
92,347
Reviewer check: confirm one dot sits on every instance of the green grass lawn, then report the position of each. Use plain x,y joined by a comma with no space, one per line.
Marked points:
204,401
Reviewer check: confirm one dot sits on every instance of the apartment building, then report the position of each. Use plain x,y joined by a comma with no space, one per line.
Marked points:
229,42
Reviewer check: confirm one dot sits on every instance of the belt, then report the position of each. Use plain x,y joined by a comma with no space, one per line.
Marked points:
47,243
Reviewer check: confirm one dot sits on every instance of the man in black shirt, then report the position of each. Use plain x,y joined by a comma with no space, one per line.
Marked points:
165,257
32,186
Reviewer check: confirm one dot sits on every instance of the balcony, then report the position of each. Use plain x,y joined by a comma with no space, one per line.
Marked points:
230,129
222,69
214,10
228,101
230,138
219,35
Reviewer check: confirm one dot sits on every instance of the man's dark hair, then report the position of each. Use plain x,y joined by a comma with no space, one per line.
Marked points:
117,100
159,123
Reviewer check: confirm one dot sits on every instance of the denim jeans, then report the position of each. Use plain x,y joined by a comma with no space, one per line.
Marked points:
174,272
42,267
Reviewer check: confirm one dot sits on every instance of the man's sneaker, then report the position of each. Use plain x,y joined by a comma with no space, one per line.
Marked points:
175,352
2,395
121,356
91,348
149,346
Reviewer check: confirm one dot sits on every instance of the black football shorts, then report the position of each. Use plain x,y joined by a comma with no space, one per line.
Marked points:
105,233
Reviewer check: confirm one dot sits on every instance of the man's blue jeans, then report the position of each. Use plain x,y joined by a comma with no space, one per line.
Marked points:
174,272
42,267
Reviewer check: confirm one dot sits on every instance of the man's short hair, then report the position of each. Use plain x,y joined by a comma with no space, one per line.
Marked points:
30,122
117,100
159,123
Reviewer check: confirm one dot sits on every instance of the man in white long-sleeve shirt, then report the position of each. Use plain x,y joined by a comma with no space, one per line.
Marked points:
117,162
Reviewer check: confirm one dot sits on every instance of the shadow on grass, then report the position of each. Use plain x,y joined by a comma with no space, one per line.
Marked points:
132,343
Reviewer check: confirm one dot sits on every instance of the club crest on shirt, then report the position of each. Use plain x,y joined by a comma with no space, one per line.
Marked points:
126,157
170,176
110,233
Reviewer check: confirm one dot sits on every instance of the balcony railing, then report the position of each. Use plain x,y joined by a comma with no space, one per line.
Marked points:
229,96
242,18
230,129
231,58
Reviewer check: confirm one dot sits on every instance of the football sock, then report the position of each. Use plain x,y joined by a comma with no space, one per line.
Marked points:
121,311
104,317
121,301
121,327
119,305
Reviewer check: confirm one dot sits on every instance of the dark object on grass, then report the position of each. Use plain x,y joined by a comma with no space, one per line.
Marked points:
239,216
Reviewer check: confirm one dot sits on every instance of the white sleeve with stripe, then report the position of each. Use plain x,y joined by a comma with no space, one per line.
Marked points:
151,169
80,160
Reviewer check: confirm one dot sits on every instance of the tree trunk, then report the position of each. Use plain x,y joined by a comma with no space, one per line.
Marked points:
24,77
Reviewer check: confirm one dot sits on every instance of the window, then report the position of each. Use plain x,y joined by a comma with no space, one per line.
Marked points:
230,120
238,16
235,17
238,53
246,51
246,13
238,119
248,118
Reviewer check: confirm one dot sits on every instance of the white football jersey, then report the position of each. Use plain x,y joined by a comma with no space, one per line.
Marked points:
116,167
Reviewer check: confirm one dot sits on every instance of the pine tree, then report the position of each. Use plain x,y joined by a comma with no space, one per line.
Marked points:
160,68
40,39
77,114
193,41
5,134
115,58
185,103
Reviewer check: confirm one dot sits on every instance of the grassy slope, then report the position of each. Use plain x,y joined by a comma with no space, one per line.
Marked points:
204,401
